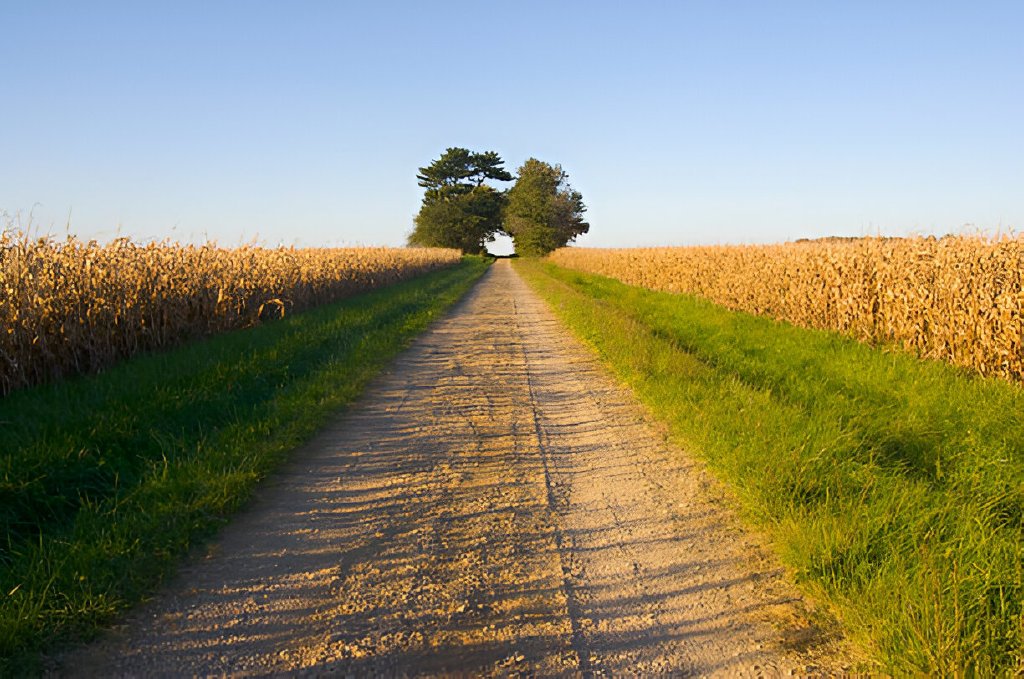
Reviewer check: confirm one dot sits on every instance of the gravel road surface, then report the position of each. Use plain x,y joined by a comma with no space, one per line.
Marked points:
495,504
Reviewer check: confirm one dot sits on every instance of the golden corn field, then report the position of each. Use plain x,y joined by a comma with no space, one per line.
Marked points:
68,306
958,299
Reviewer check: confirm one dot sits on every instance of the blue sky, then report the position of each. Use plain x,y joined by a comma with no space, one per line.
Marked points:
681,123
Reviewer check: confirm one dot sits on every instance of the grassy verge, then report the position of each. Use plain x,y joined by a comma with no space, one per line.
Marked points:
106,480
893,487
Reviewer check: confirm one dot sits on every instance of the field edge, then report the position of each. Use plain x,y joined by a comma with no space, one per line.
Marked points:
263,392
733,414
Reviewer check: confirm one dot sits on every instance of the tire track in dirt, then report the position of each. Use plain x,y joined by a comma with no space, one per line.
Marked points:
494,504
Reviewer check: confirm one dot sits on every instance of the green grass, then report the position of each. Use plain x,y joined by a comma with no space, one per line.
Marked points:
892,487
105,481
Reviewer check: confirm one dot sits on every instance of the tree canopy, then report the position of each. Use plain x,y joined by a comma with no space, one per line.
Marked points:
459,210
543,212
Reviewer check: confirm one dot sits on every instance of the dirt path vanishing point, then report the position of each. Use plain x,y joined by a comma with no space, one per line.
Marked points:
493,504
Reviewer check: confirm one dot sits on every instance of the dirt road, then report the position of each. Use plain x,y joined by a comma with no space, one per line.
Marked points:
494,504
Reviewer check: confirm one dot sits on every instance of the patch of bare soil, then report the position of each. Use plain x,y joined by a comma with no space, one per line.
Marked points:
495,504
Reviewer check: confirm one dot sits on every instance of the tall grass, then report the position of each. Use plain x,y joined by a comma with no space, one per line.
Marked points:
893,487
71,307
959,299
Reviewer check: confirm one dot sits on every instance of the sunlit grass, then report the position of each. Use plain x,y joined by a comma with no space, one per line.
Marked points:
893,487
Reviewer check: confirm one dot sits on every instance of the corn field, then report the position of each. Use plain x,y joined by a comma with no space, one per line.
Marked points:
68,306
958,299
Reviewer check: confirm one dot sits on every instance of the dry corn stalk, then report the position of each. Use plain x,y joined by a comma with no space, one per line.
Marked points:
957,298
71,307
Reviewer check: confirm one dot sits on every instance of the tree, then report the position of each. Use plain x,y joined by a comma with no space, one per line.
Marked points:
459,210
543,212
465,221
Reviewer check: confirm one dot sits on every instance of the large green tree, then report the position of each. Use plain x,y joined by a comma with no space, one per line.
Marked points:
543,212
459,209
